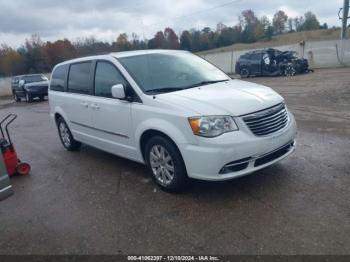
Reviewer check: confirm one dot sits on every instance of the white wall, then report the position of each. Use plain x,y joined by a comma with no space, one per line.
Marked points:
5,86
321,54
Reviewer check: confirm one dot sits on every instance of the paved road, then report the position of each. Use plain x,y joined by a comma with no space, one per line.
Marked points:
91,202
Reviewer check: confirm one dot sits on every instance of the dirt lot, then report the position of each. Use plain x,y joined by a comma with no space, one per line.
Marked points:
91,202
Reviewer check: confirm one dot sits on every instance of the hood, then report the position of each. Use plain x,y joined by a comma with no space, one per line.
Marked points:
234,97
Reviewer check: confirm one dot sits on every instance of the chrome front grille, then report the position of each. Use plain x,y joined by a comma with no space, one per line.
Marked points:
267,121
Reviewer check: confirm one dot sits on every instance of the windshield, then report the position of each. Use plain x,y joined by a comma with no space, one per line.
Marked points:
167,72
35,78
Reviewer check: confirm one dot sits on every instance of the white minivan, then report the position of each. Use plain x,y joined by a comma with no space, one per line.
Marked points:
173,111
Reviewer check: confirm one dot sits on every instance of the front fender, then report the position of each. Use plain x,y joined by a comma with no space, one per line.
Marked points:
163,126
168,128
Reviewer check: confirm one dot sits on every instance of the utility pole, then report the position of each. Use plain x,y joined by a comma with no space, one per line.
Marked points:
345,19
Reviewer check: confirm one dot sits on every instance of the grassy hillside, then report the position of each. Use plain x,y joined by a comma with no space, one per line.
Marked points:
284,39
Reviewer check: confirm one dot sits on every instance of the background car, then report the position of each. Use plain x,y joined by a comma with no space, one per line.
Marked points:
271,62
29,87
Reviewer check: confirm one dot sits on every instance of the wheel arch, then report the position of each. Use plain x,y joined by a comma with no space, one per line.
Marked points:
147,134
175,131
59,113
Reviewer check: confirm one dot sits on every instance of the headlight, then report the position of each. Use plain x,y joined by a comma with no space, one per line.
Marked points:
212,126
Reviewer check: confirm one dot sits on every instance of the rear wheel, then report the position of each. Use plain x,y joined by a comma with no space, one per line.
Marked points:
244,72
42,97
66,136
165,164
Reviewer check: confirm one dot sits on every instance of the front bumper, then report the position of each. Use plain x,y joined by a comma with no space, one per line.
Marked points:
37,91
206,160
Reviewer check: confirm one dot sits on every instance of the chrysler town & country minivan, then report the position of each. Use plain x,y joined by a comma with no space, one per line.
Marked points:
173,111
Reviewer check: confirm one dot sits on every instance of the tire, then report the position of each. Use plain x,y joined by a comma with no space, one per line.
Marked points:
244,72
289,71
29,97
16,98
41,98
66,136
165,164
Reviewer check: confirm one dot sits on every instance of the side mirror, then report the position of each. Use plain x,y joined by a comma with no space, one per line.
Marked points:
118,91
21,83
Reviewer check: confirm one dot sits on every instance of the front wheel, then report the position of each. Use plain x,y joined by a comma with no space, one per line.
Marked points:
29,97
289,71
66,136
165,164
15,97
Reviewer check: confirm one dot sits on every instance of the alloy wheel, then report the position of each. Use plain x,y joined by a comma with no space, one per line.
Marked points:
64,133
162,165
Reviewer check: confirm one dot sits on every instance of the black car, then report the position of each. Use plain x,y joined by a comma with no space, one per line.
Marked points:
29,87
271,62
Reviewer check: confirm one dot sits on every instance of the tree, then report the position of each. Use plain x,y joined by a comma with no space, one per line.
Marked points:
220,26
171,39
123,43
311,22
298,23
159,39
268,29
186,40
279,21
249,23
11,62
151,44
196,40
59,51
290,24
324,26
34,59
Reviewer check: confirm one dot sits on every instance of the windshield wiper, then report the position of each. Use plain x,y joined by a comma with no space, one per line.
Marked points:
173,89
206,83
164,90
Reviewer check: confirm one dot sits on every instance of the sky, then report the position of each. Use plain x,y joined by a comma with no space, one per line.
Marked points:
106,19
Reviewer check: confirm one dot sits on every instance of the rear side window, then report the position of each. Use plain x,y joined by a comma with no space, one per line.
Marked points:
107,76
256,56
79,78
58,78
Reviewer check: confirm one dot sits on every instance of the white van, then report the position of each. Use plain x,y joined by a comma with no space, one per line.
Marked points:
173,111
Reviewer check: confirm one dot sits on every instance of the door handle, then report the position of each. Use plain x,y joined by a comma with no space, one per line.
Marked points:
85,104
95,106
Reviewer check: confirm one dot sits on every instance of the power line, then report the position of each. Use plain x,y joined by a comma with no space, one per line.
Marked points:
131,8
195,13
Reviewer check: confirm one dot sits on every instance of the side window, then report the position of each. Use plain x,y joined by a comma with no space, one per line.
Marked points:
79,78
256,57
106,76
58,78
